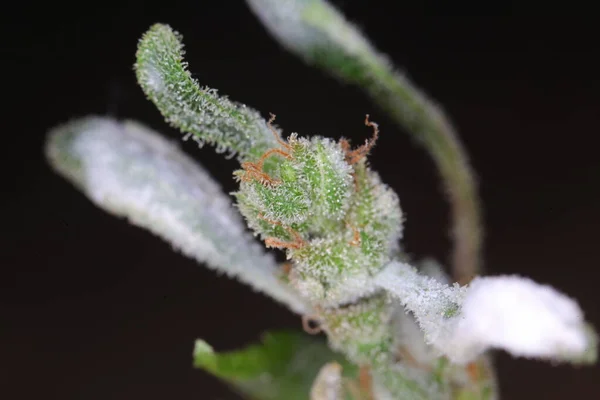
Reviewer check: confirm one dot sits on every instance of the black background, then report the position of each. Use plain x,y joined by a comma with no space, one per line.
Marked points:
91,308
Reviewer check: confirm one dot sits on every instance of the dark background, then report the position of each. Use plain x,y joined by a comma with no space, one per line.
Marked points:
91,308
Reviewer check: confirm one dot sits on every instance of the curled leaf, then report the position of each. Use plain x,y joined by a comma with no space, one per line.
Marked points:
199,112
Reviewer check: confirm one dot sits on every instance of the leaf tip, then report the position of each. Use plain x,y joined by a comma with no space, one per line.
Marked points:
203,354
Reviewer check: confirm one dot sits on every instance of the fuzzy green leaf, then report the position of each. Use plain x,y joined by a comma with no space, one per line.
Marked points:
200,112
133,172
283,366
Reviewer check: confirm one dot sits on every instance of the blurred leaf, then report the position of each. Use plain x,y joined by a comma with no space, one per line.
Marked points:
283,366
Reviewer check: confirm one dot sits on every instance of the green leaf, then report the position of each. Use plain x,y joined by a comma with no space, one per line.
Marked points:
283,366
199,112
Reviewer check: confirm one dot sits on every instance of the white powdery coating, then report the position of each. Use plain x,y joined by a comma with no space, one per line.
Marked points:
154,79
520,316
303,25
131,171
283,19
505,312
432,303
407,334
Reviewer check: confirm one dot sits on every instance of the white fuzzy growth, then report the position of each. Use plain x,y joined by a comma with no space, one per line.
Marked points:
431,302
283,19
132,172
520,316
154,79
407,334
328,383
505,312
303,25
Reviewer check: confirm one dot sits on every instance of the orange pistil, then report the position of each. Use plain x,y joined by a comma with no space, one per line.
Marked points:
296,244
473,371
285,271
354,156
282,244
355,235
281,142
345,145
254,170
286,268
268,153
365,381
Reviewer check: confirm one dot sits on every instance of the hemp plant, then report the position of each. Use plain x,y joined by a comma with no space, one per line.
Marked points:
395,328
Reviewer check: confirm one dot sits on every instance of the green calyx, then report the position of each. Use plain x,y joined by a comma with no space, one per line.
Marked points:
310,182
361,331
320,202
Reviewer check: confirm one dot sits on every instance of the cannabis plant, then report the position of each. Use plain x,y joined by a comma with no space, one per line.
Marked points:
395,327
